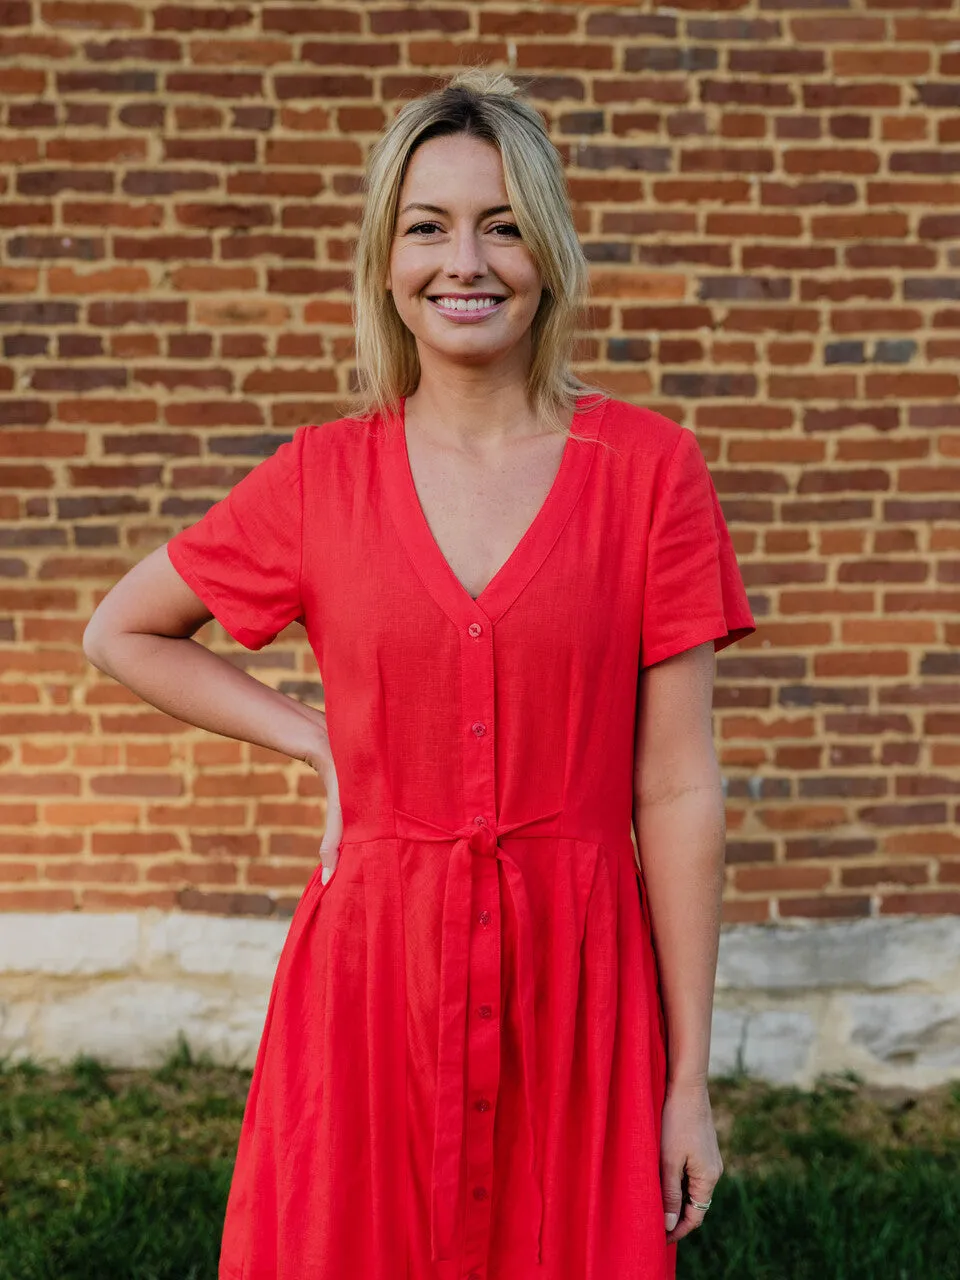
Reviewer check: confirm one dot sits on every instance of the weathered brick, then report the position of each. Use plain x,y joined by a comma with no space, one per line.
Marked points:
302,18
759,276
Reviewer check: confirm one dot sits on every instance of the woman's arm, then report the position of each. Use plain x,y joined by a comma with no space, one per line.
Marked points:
679,818
140,634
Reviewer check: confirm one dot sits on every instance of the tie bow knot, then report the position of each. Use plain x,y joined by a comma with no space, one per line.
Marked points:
483,841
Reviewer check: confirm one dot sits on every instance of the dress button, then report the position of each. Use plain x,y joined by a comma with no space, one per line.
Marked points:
484,917
482,1104
485,1011
479,1193
475,629
474,1275
480,820
479,728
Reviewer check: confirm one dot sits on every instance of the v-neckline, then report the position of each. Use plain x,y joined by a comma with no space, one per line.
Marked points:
529,552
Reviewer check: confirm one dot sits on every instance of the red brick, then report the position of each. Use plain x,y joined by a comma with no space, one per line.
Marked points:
96,16
301,18
825,908
38,899
918,903
780,879
192,872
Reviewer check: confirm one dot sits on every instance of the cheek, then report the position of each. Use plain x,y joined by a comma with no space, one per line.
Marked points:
408,278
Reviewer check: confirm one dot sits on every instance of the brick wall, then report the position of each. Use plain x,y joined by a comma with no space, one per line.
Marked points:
770,195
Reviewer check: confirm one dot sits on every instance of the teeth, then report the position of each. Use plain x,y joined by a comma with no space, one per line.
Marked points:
466,304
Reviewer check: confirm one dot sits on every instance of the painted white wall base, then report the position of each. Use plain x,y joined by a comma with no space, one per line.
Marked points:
880,997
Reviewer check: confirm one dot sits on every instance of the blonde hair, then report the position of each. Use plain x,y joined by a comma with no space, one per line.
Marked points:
487,105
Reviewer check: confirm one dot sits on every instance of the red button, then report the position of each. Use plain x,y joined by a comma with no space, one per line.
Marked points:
485,1011
482,1104
480,820
479,1193
484,917
474,1275
475,629
479,728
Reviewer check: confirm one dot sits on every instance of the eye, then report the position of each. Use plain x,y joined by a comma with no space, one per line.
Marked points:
430,227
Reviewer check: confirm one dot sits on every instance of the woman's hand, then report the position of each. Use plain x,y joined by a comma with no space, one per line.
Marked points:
688,1144
318,756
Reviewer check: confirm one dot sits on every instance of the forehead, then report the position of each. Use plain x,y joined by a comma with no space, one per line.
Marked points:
458,161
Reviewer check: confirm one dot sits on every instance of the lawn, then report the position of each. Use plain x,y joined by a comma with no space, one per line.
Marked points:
123,1175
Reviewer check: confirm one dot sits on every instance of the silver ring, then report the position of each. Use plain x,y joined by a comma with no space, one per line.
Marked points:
697,1205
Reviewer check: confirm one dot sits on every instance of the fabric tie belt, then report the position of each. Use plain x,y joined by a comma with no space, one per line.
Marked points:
474,838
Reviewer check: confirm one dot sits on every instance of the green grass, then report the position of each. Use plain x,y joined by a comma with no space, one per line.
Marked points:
844,1182
116,1175
123,1175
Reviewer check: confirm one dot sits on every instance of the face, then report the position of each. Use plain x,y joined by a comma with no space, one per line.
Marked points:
464,246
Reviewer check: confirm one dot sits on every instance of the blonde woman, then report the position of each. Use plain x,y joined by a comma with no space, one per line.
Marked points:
485,1050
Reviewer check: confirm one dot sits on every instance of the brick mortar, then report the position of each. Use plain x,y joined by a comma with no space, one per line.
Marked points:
841,759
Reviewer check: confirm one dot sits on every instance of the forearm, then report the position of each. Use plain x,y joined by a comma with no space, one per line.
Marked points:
183,678
681,843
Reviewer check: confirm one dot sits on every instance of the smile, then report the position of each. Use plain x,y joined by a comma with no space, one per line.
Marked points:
467,308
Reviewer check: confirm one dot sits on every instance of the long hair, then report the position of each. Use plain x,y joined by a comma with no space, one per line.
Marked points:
487,105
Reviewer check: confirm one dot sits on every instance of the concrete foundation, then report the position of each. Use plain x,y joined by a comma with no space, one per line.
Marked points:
880,997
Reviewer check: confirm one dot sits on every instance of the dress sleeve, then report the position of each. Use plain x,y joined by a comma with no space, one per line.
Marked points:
693,590
243,557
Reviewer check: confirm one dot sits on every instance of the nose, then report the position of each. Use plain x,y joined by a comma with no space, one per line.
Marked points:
464,258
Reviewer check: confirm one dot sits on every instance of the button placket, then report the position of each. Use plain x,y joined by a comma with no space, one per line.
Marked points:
483,1022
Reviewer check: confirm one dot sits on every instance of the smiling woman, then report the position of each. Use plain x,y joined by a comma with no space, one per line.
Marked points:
485,1049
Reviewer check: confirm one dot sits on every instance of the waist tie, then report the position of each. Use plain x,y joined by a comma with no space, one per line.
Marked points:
471,839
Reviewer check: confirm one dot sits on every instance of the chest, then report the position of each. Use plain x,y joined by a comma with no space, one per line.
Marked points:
479,509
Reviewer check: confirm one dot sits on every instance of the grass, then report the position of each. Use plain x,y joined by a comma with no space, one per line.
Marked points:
123,1175
842,1182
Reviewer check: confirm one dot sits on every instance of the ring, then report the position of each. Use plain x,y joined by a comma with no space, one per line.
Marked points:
697,1205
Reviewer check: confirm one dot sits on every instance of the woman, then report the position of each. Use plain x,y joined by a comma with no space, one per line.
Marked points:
485,1051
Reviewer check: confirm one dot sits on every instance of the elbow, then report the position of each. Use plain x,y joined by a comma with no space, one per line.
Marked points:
93,645
90,652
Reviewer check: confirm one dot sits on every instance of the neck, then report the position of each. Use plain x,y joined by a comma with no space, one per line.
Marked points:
471,407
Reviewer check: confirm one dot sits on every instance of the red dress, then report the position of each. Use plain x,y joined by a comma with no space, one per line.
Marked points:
462,1067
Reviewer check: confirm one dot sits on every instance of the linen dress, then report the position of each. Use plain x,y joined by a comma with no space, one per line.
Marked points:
463,1062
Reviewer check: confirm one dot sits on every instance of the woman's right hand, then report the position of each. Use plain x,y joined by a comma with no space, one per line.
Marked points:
319,756
333,831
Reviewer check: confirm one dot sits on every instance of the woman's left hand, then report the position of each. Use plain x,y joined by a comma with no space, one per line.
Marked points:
688,1144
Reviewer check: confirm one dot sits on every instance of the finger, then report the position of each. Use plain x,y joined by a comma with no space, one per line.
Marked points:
333,827
329,856
685,1226
672,1198
333,832
692,1218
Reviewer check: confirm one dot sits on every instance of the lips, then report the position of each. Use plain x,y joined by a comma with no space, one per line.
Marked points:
484,306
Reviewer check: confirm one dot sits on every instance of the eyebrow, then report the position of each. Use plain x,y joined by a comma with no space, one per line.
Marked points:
435,208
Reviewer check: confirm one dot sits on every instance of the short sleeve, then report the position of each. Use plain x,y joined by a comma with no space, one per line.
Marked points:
693,590
243,557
